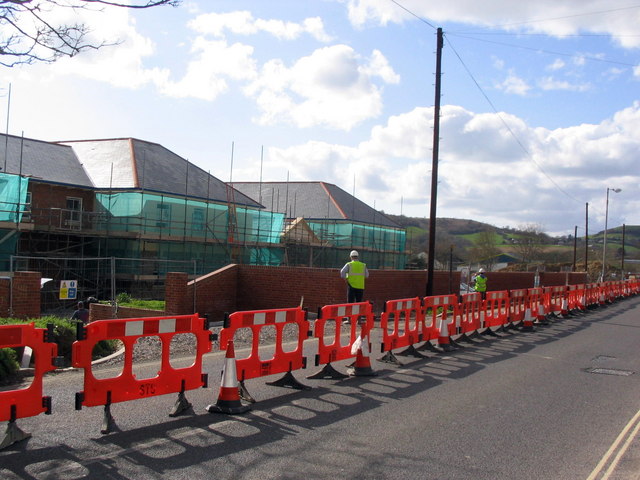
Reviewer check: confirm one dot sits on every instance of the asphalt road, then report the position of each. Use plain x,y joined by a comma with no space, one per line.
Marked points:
559,403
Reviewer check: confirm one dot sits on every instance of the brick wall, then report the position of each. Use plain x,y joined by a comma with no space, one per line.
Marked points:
45,198
250,287
98,311
26,294
4,296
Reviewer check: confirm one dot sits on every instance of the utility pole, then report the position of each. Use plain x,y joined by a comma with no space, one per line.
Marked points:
575,247
434,167
586,238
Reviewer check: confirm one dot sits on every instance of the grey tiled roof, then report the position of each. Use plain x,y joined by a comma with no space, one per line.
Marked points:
42,160
313,200
128,163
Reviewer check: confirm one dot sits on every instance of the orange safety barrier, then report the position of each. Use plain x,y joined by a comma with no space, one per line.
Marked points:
282,361
126,386
537,302
496,310
469,313
575,298
26,402
592,295
517,306
554,299
439,321
402,323
344,318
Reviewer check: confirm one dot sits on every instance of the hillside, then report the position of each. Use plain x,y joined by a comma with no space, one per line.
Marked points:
466,235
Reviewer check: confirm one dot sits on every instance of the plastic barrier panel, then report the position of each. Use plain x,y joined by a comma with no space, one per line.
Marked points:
281,362
126,386
537,302
554,299
592,295
575,298
517,305
470,310
26,402
346,318
402,323
496,309
437,309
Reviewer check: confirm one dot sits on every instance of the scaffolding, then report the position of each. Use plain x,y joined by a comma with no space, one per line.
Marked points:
143,225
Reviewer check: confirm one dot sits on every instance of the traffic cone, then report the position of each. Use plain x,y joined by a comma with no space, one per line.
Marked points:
564,309
444,342
527,321
542,316
229,397
362,365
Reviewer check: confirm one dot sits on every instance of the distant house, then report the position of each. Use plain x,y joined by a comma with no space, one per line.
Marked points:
338,221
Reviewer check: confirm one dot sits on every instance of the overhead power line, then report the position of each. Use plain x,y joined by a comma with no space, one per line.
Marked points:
504,122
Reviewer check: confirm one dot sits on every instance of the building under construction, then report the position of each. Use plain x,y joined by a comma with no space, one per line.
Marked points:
134,210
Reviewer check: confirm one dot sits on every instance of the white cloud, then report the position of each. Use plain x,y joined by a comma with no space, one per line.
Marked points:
243,23
514,85
550,83
542,176
207,75
332,87
121,65
558,18
558,64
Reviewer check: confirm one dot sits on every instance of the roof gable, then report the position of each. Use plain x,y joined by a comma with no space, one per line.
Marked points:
42,160
129,163
313,200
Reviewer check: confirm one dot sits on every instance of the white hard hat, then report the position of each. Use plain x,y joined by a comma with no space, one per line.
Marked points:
354,253
481,270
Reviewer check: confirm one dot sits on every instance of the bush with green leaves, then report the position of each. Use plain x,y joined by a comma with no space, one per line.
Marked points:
64,334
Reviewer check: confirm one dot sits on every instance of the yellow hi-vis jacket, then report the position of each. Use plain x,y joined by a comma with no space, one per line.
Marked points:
480,283
356,273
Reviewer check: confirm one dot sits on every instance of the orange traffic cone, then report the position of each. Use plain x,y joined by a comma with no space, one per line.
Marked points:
229,397
362,365
444,341
527,322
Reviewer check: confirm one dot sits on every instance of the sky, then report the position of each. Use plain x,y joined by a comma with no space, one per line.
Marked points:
540,101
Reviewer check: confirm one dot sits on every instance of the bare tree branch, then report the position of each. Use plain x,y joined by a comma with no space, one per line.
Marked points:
28,36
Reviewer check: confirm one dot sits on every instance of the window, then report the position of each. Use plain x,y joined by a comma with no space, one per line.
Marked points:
197,220
26,210
74,211
164,215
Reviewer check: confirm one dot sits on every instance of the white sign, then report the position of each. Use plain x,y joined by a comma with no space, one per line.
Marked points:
68,289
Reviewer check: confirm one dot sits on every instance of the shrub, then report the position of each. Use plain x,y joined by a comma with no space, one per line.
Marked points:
8,364
64,334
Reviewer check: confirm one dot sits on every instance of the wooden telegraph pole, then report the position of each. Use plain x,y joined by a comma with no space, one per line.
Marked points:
434,168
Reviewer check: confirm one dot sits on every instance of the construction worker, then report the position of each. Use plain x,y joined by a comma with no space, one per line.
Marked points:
354,272
479,283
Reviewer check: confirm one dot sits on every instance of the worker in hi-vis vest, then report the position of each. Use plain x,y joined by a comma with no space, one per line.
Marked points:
354,272
480,283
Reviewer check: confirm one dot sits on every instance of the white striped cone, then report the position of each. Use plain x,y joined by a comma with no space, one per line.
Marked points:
541,315
527,321
602,299
229,396
444,342
564,309
362,365
583,302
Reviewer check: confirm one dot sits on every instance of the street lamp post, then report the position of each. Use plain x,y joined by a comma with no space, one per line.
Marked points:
604,244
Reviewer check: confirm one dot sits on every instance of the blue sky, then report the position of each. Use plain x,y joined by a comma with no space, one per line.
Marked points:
540,100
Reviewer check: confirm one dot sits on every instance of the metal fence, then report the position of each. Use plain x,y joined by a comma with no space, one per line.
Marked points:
102,278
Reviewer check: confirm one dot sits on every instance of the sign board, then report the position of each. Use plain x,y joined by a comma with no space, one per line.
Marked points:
68,289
